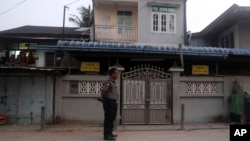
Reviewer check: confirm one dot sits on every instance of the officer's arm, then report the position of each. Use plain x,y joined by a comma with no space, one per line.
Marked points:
105,88
103,94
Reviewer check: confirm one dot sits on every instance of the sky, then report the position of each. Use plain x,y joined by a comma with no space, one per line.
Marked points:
16,13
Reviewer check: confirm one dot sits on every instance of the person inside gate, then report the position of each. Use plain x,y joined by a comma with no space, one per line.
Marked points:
109,97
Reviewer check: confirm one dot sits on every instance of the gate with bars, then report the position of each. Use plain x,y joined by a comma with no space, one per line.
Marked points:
146,96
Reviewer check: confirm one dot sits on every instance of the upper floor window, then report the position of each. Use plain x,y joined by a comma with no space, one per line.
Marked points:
222,42
163,20
124,21
227,41
231,40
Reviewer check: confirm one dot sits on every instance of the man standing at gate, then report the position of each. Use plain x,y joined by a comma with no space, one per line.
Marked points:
109,97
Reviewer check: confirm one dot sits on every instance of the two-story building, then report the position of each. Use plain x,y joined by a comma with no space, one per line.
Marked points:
229,30
27,75
144,39
127,34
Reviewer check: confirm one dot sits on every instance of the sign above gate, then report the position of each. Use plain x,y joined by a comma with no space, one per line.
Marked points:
90,66
200,70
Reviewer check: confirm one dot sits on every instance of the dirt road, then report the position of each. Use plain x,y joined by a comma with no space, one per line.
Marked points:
95,134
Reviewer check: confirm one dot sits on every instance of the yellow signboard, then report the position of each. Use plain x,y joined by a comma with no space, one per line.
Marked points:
27,45
23,46
200,69
90,66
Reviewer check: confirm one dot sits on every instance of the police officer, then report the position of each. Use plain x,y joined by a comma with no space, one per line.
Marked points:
109,96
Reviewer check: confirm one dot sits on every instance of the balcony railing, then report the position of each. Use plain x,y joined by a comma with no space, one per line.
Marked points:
107,33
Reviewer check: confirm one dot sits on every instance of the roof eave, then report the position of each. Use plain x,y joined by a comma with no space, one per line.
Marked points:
220,19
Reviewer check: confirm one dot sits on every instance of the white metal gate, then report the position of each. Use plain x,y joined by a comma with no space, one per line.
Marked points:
146,96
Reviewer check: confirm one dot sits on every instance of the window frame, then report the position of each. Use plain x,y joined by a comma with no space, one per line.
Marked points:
159,22
126,16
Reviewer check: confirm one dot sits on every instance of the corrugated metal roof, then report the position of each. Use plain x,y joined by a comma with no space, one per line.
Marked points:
240,51
143,48
28,29
29,68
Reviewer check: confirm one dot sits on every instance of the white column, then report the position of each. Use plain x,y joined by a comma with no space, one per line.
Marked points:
176,70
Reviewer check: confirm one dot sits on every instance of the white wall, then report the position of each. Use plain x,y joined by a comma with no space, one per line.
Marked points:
145,34
201,108
77,108
244,34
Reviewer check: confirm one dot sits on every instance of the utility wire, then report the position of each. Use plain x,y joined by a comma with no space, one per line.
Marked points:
13,7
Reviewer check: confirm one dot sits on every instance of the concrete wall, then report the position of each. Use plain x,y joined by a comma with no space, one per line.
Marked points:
77,108
80,108
201,108
145,34
244,82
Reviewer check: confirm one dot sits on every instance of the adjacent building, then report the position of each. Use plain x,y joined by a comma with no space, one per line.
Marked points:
27,75
229,30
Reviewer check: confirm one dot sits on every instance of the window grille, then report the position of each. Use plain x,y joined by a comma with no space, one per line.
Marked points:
90,87
205,87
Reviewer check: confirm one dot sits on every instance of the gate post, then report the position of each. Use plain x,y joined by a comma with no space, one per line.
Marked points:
176,70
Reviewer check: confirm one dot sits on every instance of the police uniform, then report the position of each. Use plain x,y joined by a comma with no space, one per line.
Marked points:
109,106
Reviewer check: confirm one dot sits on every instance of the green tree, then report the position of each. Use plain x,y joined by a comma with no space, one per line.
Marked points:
85,19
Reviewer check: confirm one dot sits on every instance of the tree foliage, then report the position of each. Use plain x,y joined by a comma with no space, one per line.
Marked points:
85,19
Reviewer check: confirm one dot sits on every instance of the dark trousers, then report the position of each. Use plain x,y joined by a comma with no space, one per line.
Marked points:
110,108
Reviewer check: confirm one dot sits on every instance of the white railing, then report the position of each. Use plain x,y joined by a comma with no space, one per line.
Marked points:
107,33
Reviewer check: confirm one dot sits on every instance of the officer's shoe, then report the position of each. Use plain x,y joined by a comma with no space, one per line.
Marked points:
114,135
109,138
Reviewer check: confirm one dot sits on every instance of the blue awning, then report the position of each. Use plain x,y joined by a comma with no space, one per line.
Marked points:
240,51
138,48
